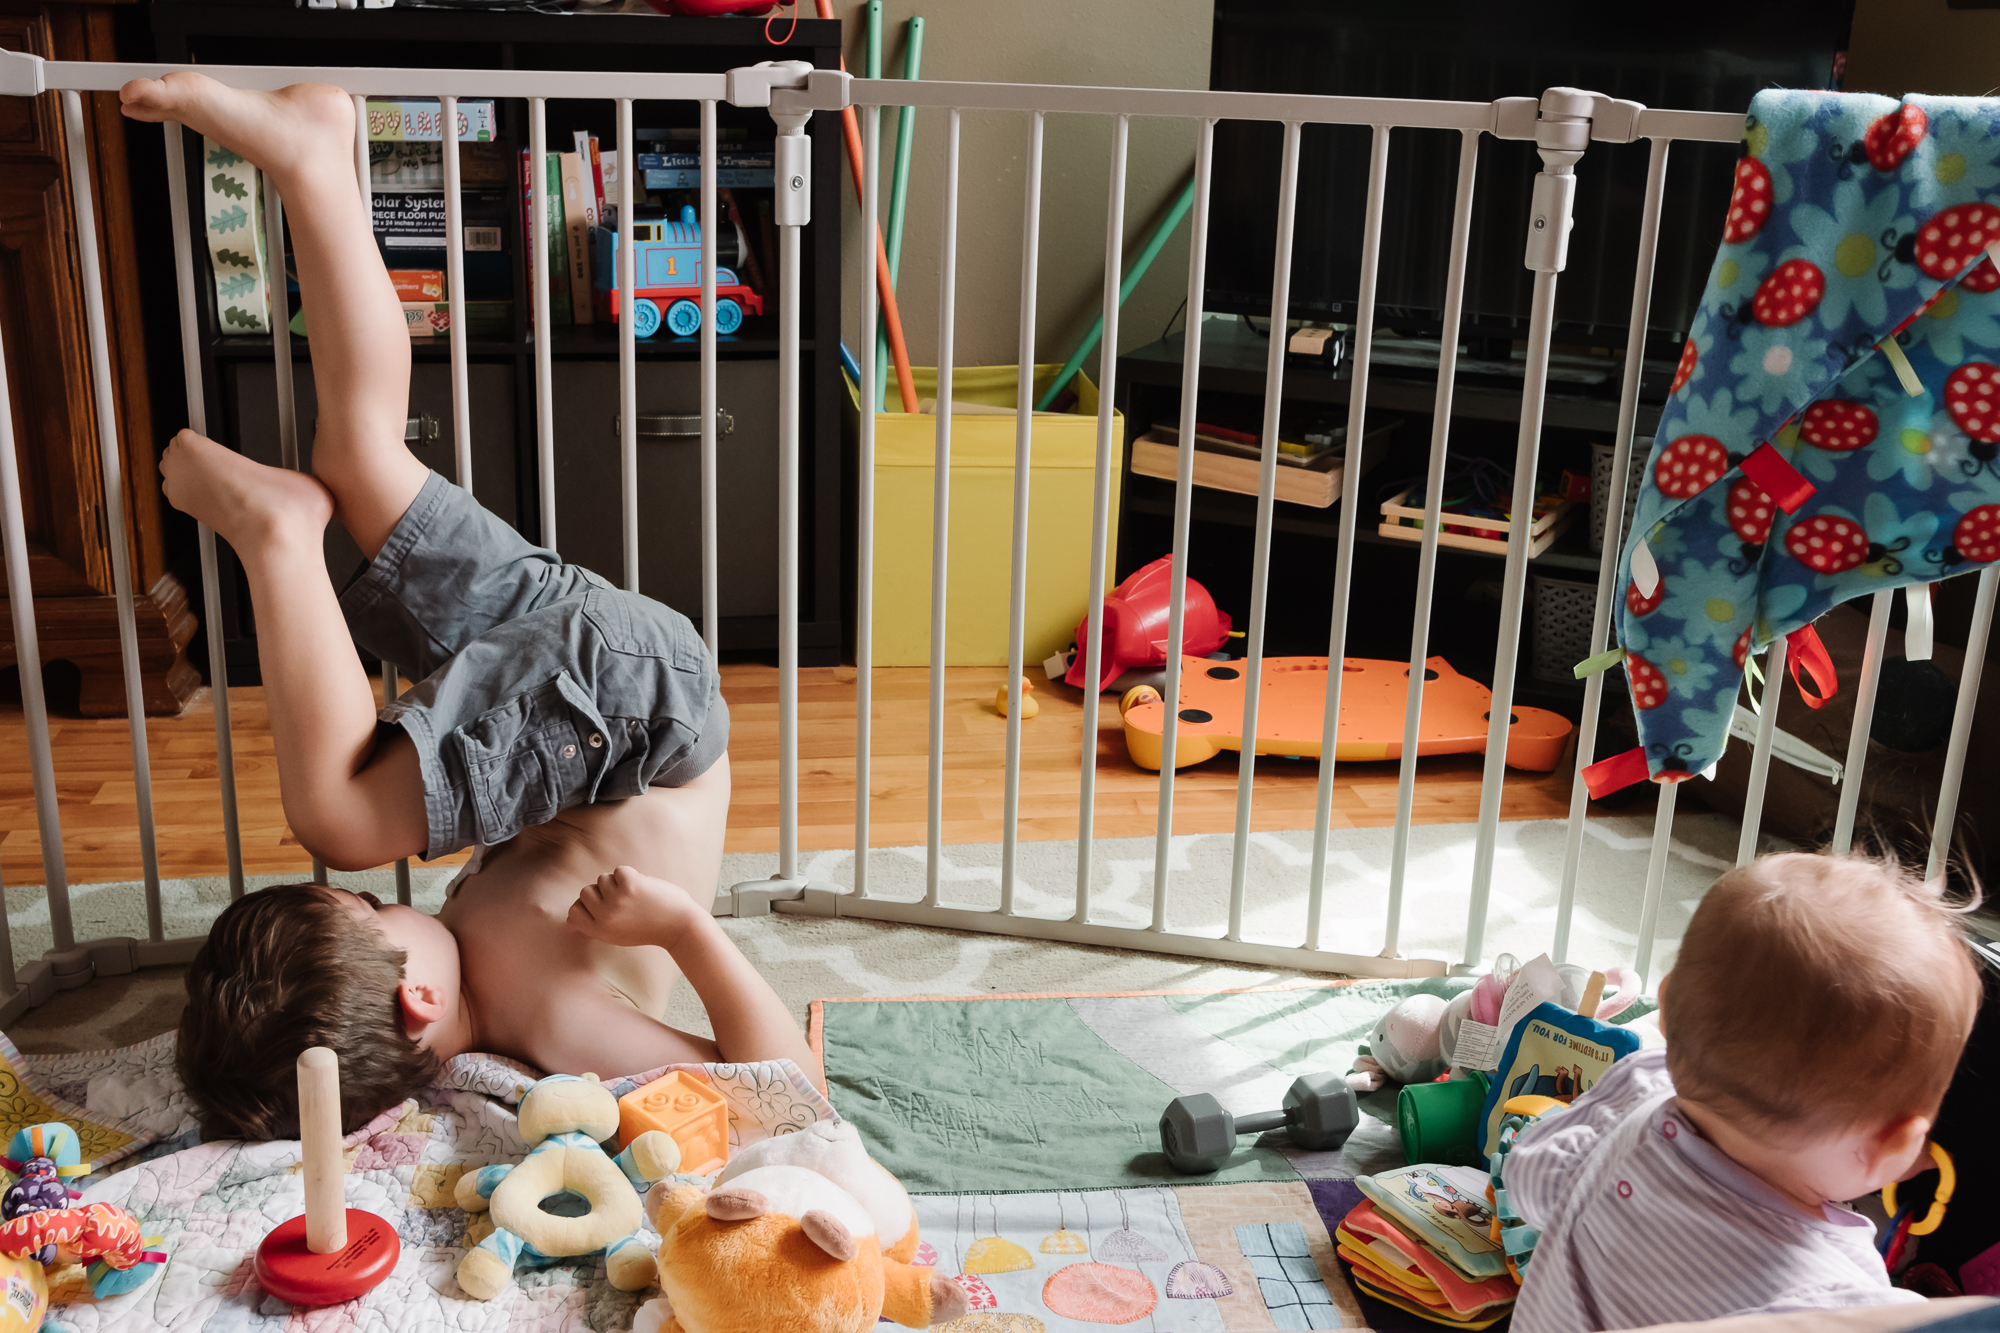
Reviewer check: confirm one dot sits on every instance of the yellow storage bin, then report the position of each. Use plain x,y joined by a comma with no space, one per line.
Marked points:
982,520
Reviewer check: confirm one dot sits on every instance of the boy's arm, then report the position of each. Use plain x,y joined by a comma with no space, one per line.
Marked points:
751,1023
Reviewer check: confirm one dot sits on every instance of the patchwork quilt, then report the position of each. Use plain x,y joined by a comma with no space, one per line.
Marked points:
212,1203
1834,424
1060,1262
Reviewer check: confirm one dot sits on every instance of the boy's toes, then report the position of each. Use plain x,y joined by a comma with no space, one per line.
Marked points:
165,98
144,99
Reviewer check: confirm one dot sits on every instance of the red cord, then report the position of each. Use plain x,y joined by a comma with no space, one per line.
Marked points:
776,41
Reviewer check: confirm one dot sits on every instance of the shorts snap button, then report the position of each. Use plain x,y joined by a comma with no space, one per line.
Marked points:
569,752
595,740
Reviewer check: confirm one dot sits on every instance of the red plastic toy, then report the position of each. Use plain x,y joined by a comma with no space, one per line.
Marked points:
1135,625
754,8
329,1253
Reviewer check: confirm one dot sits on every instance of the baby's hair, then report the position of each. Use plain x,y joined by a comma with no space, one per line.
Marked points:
283,969
1816,993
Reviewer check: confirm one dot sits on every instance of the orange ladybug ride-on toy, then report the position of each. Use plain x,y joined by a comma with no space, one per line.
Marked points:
1291,714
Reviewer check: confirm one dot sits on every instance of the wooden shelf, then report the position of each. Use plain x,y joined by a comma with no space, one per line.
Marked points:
1233,361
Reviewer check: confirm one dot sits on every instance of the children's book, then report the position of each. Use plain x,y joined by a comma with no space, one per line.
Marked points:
1443,1208
421,119
1418,1271
579,212
553,248
233,210
1551,1053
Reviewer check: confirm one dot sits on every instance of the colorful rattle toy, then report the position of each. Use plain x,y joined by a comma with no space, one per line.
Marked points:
42,1225
1947,1182
330,1253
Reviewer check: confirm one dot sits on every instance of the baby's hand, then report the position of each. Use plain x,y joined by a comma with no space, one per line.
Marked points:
628,908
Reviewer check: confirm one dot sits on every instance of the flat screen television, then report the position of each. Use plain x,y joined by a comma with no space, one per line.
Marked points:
1701,55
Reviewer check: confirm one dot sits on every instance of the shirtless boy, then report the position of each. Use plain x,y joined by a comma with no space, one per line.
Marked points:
573,732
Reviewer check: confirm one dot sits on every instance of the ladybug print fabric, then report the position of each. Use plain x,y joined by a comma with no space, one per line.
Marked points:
1855,219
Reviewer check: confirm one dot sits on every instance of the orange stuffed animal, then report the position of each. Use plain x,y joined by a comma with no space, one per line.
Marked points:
803,1233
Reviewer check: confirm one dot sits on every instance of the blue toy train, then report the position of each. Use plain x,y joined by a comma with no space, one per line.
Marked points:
667,284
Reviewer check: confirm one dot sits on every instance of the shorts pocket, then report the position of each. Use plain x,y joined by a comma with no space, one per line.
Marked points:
641,627
522,765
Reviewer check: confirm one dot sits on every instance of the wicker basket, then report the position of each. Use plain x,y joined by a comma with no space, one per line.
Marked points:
1563,612
1600,486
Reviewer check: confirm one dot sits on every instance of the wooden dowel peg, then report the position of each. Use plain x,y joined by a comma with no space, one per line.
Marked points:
319,1136
1593,994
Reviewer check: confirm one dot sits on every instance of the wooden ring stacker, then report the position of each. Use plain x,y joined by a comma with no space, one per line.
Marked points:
330,1253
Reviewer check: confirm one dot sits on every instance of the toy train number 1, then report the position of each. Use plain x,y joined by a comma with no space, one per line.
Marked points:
668,277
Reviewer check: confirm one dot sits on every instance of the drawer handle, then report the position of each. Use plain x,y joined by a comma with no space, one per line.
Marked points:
420,429
675,425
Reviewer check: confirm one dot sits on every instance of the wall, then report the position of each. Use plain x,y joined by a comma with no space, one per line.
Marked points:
1143,43
1923,46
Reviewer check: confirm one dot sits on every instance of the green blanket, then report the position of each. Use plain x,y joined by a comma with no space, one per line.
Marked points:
1014,1093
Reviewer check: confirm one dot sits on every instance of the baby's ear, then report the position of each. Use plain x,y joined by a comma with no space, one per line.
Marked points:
1898,1148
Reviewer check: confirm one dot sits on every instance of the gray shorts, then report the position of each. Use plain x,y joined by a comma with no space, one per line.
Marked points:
540,686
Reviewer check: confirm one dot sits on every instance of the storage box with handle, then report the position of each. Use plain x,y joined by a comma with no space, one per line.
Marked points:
1064,447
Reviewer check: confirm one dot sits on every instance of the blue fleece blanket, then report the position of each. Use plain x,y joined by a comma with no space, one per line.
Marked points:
1854,219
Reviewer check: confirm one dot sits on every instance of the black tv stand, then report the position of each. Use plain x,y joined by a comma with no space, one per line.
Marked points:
1581,408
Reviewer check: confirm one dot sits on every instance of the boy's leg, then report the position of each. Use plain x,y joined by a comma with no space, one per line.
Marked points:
351,802
348,802
303,138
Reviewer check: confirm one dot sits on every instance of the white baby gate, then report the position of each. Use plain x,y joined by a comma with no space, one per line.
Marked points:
1562,123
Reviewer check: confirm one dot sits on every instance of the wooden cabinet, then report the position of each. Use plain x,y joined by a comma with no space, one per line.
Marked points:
48,373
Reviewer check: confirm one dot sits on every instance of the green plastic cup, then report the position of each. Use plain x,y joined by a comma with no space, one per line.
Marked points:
1439,1122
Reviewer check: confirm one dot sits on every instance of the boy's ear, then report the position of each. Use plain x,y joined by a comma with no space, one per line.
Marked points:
1660,1001
423,1004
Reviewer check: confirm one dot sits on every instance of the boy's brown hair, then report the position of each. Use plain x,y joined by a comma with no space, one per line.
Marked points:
284,969
1817,993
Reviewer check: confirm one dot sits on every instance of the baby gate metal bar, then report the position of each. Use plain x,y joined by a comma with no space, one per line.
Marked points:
1563,123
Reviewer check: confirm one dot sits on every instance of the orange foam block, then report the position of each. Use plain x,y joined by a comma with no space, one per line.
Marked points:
688,1111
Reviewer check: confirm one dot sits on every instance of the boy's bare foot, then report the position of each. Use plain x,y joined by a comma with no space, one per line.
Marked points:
243,500
279,132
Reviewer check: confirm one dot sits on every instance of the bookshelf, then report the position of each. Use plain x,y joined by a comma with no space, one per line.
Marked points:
240,381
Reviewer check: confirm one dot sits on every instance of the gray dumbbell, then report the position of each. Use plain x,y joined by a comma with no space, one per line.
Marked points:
1198,1135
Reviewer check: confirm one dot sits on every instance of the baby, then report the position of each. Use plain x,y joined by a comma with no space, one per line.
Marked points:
1813,1024
574,732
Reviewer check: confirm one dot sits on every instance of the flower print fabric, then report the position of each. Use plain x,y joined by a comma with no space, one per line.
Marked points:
1854,219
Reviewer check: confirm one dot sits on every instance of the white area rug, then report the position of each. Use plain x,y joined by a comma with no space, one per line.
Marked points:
807,957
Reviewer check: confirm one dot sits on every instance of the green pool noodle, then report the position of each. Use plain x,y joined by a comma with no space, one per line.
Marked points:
1132,276
899,189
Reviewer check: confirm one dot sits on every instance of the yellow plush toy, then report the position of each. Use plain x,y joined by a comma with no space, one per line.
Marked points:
802,1233
564,1119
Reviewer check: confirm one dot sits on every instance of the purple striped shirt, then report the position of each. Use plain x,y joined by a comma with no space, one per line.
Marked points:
1645,1222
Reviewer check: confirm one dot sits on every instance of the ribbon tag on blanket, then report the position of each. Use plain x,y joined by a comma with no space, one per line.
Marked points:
1804,651
1776,477
1604,661
1899,362
1645,569
1615,774
1917,632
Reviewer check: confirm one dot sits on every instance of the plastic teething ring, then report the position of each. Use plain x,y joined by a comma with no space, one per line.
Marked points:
1947,1181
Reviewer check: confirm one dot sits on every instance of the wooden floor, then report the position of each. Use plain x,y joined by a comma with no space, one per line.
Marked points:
100,834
